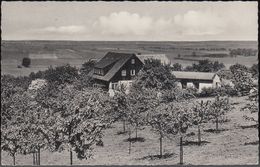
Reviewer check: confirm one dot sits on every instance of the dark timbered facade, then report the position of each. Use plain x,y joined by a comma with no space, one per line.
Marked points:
114,67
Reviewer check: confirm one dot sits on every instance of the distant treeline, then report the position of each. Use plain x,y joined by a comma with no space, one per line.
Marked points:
243,52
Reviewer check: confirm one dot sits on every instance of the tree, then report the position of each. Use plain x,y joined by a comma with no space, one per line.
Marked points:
177,67
242,79
205,66
169,119
218,109
61,74
254,70
252,107
13,109
13,103
84,79
26,62
137,106
121,107
200,115
155,75
10,136
80,118
87,66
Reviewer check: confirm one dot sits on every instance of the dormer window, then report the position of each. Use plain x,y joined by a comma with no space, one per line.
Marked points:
132,61
98,71
123,73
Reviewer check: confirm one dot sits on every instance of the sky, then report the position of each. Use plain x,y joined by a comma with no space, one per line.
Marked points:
129,21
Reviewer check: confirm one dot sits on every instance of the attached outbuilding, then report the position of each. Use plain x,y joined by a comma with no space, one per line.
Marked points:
198,80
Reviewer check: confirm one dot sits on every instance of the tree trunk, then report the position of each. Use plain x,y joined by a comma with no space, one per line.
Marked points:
160,146
181,151
36,158
124,126
129,149
33,158
39,156
70,156
217,124
136,132
199,135
14,159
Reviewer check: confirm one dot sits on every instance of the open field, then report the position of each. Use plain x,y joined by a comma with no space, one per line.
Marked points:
225,148
54,53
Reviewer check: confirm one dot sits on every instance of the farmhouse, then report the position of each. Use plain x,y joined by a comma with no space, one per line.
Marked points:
114,68
197,80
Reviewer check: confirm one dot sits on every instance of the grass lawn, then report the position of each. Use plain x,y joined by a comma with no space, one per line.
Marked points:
225,148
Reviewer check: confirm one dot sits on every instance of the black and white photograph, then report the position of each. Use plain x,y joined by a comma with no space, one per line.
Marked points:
129,83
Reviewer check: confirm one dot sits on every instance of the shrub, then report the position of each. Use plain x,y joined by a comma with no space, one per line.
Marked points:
225,90
207,92
192,90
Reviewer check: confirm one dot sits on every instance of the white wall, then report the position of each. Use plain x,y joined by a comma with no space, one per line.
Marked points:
190,85
216,81
126,85
205,85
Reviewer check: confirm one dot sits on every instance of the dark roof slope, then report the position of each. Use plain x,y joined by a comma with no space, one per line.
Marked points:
111,57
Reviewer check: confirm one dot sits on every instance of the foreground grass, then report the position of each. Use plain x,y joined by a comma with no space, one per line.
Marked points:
233,145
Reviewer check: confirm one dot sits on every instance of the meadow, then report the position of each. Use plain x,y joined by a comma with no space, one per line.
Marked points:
55,53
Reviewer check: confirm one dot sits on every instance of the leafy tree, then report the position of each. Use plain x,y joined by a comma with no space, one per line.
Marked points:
252,107
254,70
61,74
242,79
171,119
11,139
200,115
80,118
218,109
37,75
177,67
121,107
87,66
155,75
205,66
26,62
84,80
238,67
243,52
137,106
225,74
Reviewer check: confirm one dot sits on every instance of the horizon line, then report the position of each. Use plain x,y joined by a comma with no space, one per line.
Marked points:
38,40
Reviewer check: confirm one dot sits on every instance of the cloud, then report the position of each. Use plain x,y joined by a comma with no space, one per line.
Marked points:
71,29
125,23
200,23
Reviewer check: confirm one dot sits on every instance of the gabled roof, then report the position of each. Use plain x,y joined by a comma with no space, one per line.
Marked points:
193,75
119,59
110,58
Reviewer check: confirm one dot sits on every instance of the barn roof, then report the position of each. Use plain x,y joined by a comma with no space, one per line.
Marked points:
193,75
162,57
118,59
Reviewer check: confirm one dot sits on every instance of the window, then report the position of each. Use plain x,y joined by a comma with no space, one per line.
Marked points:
132,72
98,71
123,73
133,61
114,85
